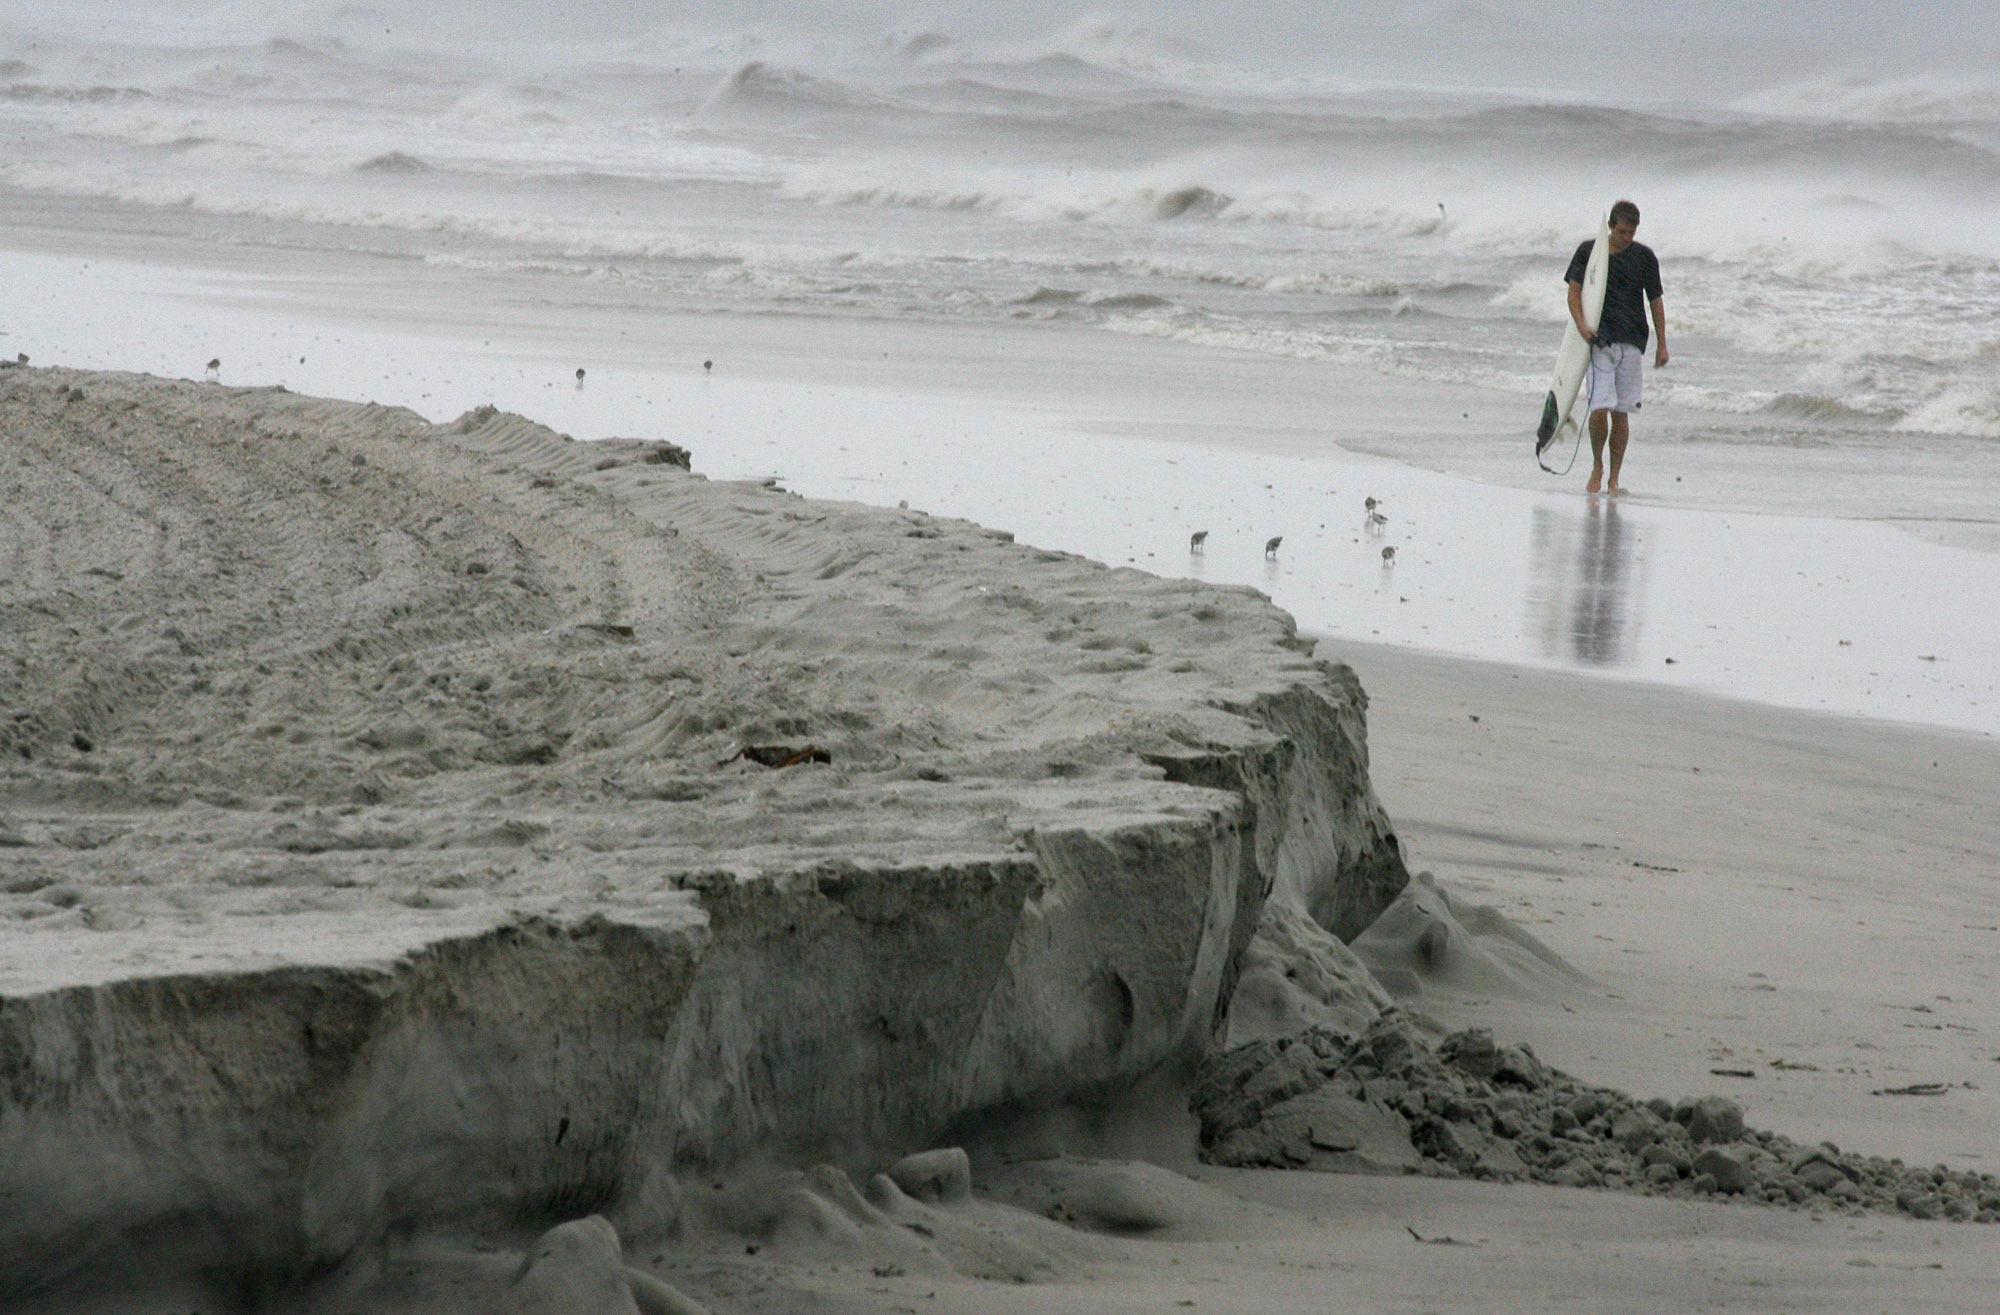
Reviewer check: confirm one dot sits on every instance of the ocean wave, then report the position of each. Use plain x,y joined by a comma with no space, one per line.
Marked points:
759,86
1067,70
1193,199
1437,361
832,191
1133,202
1828,410
1037,198
1918,404
972,95
1969,409
512,102
93,95
1929,98
1315,282
1540,294
1127,301
393,162
924,45
1310,211
1101,42
566,236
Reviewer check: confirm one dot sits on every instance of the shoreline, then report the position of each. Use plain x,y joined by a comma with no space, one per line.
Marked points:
1118,448
1928,485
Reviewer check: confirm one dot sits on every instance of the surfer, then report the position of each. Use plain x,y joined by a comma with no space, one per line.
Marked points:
1632,287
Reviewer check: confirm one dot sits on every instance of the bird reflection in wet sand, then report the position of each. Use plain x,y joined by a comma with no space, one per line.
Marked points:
1583,592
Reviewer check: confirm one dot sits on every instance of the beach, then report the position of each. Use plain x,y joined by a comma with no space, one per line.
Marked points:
428,642
1812,947
1785,907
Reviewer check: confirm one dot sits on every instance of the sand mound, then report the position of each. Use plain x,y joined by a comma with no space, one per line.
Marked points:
391,841
1427,940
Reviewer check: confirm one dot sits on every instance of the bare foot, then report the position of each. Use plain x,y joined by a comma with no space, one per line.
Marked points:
1615,490
1596,482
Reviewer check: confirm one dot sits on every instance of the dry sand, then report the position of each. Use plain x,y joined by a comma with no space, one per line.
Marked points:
1745,887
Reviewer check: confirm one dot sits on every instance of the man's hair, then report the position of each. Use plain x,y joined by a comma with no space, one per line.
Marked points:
1624,212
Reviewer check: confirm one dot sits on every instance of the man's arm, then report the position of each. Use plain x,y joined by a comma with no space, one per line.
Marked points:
1576,312
1658,306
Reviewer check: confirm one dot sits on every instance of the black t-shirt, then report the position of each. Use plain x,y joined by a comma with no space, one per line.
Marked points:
1632,280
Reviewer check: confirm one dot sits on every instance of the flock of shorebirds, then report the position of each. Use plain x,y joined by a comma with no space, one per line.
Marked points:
1376,519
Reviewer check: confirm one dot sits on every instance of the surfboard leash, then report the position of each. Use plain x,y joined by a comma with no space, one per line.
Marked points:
1575,447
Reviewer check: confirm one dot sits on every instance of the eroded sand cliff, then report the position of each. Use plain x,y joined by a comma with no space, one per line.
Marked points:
378,849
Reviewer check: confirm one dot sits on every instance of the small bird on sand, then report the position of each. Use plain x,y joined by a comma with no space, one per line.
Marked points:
1369,504
1376,520
1271,545
706,366
579,376
214,369
1198,541
1388,555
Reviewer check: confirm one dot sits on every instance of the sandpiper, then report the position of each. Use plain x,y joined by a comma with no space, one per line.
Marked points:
1198,541
1271,545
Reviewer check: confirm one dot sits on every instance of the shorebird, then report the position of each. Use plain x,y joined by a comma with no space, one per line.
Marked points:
1198,541
1369,504
1271,545
579,376
214,369
1389,555
1376,520
706,366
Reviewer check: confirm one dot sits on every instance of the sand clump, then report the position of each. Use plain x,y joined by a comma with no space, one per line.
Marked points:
1395,1099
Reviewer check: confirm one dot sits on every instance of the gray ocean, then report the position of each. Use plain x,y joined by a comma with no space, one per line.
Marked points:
1394,186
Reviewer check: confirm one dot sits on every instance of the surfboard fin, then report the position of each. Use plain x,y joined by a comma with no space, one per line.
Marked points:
1546,433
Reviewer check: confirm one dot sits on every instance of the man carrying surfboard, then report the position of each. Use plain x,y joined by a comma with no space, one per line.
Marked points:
1612,385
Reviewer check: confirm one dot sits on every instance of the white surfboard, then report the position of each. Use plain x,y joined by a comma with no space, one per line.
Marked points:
1573,357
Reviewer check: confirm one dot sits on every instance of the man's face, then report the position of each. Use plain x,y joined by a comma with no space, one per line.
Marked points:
1621,234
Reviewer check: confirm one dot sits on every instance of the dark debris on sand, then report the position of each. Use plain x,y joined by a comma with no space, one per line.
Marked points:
1391,1102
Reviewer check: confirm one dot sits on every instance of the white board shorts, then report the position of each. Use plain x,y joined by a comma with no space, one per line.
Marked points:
1613,383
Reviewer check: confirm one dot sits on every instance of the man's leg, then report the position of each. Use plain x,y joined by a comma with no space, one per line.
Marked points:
1621,432
1597,430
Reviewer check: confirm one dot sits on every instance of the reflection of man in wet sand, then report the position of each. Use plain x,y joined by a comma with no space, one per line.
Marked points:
1631,287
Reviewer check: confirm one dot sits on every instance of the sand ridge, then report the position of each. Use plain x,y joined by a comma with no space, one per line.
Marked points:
377,804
